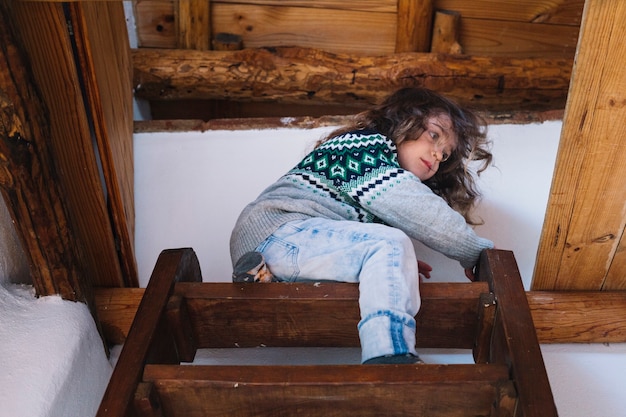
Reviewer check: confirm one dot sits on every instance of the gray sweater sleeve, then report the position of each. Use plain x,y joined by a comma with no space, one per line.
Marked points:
409,205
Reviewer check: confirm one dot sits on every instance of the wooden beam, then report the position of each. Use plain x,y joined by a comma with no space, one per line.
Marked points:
28,178
559,317
582,245
194,24
104,56
414,25
56,53
579,316
308,76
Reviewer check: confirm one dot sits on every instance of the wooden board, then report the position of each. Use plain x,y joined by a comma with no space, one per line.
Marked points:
579,316
559,317
156,23
560,12
104,56
386,6
48,44
327,391
507,28
582,244
231,315
331,29
517,39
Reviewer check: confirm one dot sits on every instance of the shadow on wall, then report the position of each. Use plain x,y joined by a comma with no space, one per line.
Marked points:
14,266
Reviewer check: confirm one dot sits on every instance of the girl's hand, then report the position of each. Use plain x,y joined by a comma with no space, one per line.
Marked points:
424,269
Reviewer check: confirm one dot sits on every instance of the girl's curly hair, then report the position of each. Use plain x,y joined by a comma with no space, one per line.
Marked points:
403,115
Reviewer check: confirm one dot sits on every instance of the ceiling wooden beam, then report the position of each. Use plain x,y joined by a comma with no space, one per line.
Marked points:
310,76
582,245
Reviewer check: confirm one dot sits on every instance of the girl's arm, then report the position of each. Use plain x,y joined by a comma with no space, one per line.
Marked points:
406,203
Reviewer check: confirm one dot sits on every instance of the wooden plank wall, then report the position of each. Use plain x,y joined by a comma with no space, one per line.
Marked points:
528,29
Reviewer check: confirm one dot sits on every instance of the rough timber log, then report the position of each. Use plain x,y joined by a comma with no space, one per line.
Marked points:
309,76
28,178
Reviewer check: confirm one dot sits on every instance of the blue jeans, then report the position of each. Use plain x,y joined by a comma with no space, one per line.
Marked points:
380,258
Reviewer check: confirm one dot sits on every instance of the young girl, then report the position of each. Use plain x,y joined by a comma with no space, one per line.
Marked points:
348,210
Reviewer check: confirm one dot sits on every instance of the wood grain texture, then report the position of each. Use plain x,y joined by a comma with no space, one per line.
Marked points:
104,56
414,25
559,316
44,30
515,342
337,30
229,315
156,25
508,28
560,12
579,316
309,76
171,266
28,177
517,39
194,25
582,238
386,6
327,391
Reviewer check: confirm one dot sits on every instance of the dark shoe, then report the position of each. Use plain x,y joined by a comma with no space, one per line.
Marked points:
251,267
404,359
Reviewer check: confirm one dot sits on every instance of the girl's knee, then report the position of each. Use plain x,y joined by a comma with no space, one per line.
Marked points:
400,242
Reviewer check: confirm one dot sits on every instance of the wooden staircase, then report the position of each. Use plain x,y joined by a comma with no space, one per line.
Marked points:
180,314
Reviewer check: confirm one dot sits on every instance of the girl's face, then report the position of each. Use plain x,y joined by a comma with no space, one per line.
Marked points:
422,155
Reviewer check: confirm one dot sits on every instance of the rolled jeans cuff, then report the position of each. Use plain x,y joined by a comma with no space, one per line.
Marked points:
386,333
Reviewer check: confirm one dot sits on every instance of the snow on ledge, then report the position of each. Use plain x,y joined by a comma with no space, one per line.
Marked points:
51,356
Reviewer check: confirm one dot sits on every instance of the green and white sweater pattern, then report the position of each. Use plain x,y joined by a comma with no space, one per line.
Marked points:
356,177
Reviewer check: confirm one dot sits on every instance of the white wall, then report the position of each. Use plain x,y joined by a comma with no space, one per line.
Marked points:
190,188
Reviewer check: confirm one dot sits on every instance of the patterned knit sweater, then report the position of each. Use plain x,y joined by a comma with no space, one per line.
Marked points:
357,177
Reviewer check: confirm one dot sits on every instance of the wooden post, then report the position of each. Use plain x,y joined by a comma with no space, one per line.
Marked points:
194,25
445,38
414,25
